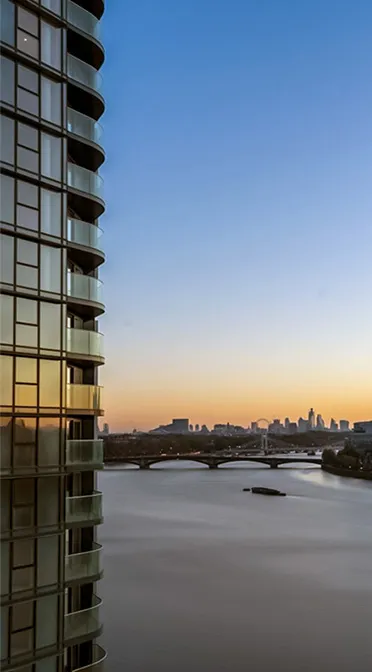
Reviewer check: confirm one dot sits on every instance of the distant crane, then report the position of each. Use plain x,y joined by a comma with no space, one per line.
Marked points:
264,435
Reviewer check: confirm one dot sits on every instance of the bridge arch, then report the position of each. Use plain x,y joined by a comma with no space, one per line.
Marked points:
176,458
252,460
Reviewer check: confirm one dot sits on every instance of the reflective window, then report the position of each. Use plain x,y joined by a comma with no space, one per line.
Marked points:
28,21
51,100
27,43
49,383
7,80
27,252
7,21
7,139
28,79
6,320
25,395
26,370
47,566
28,159
48,499
27,101
23,552
51,156
26,311
4,564
48,444
50,326
21,642
27,218
26,335
53,5
22,579
51,212
51,45
28,137
22,615
6,259
7,199
6,387
50,269
27,276
46,621
27,194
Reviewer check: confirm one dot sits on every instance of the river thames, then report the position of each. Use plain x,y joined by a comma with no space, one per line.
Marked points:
202,577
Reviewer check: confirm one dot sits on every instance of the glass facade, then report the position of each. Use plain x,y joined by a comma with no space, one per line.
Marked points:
50,346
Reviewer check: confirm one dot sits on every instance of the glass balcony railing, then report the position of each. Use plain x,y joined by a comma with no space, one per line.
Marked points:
81,566
82,19
83,623
98,661
83,342
84,508
82,453
83,73
84,398
80,286
81,124
84,180
84,233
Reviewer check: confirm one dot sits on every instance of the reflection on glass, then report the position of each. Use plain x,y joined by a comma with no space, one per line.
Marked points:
85,622
84,397
6,387
26,335
80,452
51,156
51,100
5,443
6,319
83,73
50,326
83,565
7,199
82,19
49,442
49,383
25,395
51,45
84,233
86,508
50,212
50,269
83,342
48,501
26,370
84,180
80,124
84,287
47,565
46,621
6,259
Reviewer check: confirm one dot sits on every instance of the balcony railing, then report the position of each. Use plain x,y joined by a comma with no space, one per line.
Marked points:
80,286
84,233
82,19
98,661
81,124
83,398
83,623
83,73
82,566
82,453
84,180
83,342
84,508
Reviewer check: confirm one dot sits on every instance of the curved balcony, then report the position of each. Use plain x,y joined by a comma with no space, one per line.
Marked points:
97,665
89,200
83,73
83,567
84,509
84,623
88,45
83,20
84,399
85,344
86,249
85,288
84,140
84,126
84,454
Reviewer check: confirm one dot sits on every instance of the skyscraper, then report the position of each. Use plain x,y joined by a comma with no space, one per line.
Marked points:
51,199
333,425
344,425
311,419
319,422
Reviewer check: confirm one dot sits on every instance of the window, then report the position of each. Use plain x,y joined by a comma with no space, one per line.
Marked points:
6,319
28,21
51,212
23,553
7,199
50,269
26,336
54,6
50,326
27,276
23,502
28,33
27,272
26,370
6,387
28,137
27,252
6,259
7,139
47,566
51,100
28,101
51,45
24,443
7,22
28,90
28,148
46,621
26,311
27,218
51,156
23,615
28,79
4,568
49,383
28,44
27,194
48,501
7,79
48,444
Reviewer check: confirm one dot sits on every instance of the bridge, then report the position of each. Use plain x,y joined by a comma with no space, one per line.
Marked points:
214,461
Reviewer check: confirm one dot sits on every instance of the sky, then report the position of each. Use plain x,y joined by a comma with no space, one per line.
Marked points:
238,235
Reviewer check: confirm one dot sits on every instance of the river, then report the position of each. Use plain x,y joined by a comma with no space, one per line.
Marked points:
202,577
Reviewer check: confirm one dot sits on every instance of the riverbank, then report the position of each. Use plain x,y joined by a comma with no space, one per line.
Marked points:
349,473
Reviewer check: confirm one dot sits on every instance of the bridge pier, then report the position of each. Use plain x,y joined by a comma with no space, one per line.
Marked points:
273,465
212,465
144,465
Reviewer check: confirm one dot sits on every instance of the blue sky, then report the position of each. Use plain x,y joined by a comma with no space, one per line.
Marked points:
238,225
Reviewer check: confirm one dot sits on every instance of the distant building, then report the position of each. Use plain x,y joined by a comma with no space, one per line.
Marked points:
276,427
320,425
302,425
363,427
287,423
177,426
344,426
106,429
333,426
254,427
191,428
204,429
197,427
292,429
311,420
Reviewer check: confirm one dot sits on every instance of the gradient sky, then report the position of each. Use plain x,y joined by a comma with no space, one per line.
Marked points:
238,228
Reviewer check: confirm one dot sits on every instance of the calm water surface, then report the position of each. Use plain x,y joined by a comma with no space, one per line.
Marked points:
202,577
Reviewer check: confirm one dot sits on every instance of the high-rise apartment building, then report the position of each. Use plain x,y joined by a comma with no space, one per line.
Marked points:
51,349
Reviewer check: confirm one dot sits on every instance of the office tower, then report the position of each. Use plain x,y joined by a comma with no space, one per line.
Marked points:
311,419
333,426
197,427
344,425
106,429
292,429
276,426
286,424
319,423
51,199
191,428
302,425
254,427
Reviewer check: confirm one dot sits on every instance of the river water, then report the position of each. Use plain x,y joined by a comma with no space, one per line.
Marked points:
202,577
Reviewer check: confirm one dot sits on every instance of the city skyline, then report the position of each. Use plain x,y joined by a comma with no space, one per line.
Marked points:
237,196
